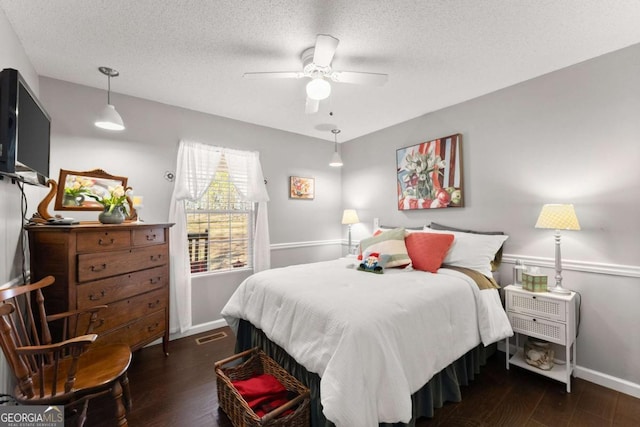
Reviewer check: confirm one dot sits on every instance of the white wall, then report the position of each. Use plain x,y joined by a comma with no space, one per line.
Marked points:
12,55
148,148
572,136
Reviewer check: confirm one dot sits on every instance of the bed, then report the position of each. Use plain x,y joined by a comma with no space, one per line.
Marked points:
370,342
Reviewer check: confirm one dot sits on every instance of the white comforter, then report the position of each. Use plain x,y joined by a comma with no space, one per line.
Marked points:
374,339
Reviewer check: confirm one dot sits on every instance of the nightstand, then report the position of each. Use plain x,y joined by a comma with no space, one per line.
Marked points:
547,316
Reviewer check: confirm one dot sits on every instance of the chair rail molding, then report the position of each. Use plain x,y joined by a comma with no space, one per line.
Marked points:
294,245
573,265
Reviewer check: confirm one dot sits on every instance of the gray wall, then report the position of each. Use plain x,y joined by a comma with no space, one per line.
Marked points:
12,55
572,136
148,148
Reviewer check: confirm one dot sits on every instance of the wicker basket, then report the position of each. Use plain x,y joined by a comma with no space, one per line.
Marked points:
237,409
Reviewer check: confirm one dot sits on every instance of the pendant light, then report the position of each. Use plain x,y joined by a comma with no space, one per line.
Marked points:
336,160
109,118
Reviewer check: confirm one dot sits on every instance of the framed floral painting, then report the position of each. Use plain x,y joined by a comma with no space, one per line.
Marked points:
301,188
430,174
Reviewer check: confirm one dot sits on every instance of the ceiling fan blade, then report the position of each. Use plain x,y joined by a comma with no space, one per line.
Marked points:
324,50
311,106
274,75
373,79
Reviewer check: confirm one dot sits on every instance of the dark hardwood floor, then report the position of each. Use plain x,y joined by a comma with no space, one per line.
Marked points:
180,390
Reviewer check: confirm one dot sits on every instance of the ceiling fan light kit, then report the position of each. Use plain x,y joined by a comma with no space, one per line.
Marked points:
318,89
316,65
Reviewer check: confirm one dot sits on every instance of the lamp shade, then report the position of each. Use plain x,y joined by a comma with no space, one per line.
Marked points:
109,119
558,217
349,216
318,89
336,160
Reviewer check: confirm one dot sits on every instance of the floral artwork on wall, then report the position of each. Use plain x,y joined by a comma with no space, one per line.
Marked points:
430,174
301,188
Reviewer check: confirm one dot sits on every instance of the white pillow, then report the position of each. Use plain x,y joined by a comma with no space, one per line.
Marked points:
474,251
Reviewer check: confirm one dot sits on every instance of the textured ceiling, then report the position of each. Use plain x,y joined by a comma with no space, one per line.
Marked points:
192,53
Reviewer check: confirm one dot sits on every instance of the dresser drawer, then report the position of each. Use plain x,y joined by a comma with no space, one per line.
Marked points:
148,328
136,334
130,309
537,306
148,236
98,241
98,265
106,291
538,327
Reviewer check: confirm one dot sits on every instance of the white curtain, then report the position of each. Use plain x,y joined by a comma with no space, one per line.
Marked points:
196,166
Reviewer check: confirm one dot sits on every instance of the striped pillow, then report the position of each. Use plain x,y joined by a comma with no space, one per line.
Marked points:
390,242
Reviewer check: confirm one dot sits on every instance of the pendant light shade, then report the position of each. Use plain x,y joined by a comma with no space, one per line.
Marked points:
336,160
109,118
318,89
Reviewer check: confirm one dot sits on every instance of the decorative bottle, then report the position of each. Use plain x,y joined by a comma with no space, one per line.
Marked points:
518,269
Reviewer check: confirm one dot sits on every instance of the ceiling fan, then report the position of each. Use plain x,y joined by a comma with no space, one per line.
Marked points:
316,65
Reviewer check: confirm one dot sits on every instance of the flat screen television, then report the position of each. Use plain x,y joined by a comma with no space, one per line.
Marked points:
25,131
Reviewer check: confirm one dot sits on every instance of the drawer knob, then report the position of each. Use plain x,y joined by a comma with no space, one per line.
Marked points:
155,280
155,257
154,304
97,297
153,327
106,243
100,267
151,237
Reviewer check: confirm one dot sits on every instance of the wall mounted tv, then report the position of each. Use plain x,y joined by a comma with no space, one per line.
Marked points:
25,131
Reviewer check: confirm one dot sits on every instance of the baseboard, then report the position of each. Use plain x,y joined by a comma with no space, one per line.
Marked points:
605,380
194,330
608,381
197,329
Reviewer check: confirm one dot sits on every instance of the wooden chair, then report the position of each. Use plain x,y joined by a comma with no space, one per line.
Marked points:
68,372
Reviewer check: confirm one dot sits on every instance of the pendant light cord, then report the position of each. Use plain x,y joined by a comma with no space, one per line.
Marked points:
109,89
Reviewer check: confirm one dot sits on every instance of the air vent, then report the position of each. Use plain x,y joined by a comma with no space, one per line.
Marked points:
210,338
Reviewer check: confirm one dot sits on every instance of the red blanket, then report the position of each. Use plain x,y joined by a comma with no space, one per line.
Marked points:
263,393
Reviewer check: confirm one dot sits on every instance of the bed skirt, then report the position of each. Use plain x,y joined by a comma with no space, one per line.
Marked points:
443,387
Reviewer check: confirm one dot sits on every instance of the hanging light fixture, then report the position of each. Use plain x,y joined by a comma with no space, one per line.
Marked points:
336,160
318,89
109,118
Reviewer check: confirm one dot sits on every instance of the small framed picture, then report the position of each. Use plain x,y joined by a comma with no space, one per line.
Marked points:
301,188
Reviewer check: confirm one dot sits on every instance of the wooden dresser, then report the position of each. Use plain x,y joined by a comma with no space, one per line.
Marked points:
125,267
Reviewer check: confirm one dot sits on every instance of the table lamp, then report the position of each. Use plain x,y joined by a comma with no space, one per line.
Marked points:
349,217
558,217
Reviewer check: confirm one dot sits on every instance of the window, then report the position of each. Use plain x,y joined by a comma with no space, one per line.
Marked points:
220,225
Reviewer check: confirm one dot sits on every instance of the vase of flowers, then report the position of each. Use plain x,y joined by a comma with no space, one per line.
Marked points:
113,202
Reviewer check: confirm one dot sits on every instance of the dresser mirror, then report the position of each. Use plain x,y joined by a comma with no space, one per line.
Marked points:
74,189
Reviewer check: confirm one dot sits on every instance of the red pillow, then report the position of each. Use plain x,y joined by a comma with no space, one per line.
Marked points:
428,250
